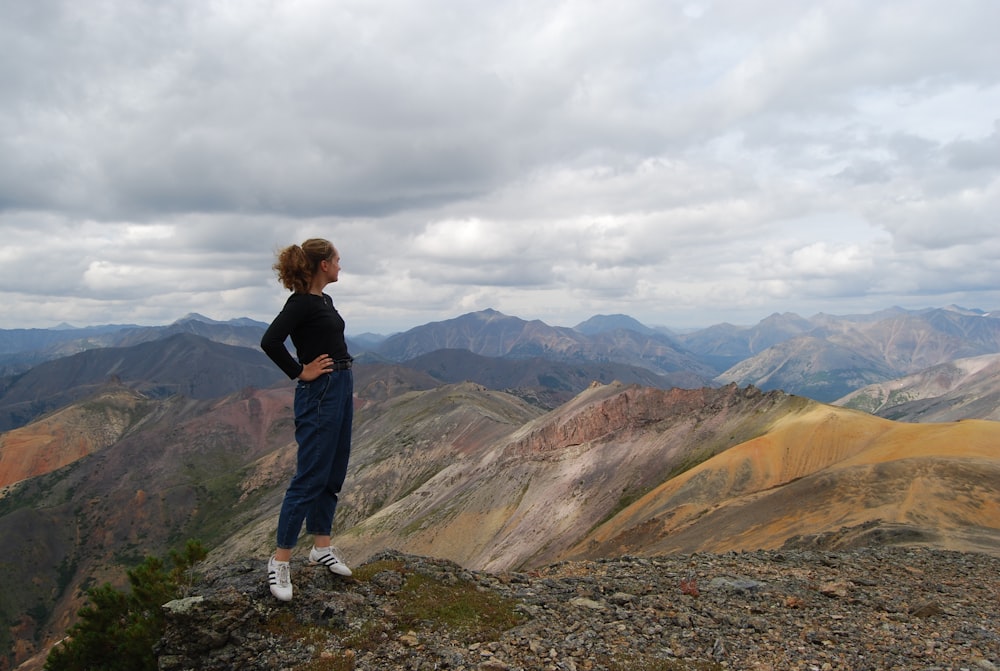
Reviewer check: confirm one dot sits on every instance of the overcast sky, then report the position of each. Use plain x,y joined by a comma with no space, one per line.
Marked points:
685,163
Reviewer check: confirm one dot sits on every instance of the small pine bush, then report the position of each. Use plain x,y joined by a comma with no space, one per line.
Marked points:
116,631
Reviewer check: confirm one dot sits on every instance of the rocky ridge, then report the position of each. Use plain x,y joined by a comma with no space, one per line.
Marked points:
789,609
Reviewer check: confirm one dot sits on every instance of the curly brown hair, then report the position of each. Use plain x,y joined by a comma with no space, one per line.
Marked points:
297,264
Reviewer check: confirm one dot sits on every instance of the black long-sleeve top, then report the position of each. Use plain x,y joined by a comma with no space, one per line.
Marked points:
315,327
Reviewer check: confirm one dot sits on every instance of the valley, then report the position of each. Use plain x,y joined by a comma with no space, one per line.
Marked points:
568,447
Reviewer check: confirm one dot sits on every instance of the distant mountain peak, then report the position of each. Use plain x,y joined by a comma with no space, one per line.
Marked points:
615,322
238,321
195,317
972,312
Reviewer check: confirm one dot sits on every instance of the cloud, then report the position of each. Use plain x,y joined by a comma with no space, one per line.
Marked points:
686,162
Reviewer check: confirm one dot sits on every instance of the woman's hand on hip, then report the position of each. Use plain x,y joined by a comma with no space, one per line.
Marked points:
312,370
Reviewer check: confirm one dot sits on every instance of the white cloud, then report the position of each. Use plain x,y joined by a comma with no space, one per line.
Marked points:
685,162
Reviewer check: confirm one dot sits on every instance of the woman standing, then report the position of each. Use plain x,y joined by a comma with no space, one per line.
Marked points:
324,405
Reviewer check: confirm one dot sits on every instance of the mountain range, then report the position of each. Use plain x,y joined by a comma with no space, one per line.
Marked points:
824,357
499,443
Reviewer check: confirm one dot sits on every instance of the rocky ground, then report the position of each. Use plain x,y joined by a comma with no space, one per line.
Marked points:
869,609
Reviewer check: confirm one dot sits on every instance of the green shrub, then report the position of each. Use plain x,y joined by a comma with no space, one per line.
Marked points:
117,630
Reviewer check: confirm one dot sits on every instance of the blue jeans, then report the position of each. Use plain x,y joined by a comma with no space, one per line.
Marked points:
324,412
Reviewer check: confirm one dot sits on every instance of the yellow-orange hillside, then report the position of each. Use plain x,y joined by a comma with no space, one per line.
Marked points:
820,471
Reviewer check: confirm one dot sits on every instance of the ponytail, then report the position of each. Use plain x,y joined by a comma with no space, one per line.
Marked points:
296,265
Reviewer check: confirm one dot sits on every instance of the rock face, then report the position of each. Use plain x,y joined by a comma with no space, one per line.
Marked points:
865,610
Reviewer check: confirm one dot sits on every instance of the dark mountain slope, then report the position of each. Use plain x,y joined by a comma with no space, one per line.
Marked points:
21,349
541,381
181,364
377,381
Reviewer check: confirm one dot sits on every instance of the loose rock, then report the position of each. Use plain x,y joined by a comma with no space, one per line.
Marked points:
864,610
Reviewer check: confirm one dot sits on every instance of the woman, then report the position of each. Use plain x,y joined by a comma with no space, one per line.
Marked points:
324,405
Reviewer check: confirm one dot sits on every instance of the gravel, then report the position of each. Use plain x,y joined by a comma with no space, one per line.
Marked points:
869,609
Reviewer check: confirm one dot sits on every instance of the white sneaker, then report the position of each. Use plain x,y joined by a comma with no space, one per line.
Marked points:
330,558
280,578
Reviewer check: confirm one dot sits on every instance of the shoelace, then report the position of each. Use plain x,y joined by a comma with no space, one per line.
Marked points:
283,575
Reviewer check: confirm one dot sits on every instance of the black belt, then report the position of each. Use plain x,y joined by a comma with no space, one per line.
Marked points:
343,364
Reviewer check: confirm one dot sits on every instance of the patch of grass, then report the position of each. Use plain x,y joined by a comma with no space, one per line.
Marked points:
866,402
285,625
365,572
368,637
221,491
637,661
438,516
341,662
424,603
42,491
900,397
628,497
419,481
689,461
